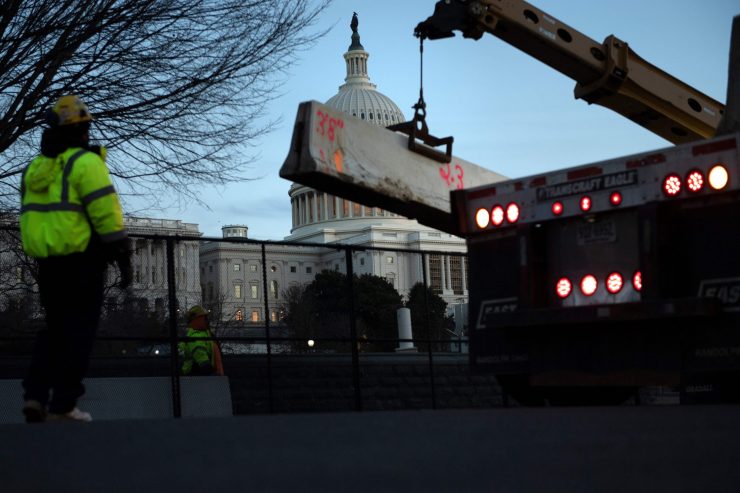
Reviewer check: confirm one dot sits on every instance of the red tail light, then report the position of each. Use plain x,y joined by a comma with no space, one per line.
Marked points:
614,282
672,185
637,281
557,208
615,198
497,215
694,180
563,287
586,203
589,284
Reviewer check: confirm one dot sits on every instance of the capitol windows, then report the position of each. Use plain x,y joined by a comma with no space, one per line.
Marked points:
391,279
456,274
253,268
356,209
273,268
237,267
345,208
239,315
274,288
309,270
390,260
255,316
253,290
237,290
293,269
435,273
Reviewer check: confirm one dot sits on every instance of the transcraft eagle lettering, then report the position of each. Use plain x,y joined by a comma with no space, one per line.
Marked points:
590,185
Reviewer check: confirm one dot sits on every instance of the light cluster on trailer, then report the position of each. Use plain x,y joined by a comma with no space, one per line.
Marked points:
589,284
694,181
673,184
683,171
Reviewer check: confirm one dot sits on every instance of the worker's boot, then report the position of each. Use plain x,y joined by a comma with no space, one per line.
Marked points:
34,411
73,415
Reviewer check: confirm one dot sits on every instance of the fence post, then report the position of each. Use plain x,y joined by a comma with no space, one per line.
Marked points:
426,321
174,355
353,329
267,329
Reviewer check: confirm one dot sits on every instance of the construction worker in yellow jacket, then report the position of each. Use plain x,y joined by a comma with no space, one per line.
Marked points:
201,355
72,224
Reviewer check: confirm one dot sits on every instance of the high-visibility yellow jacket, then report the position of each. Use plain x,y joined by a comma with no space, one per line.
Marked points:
63,200
197,352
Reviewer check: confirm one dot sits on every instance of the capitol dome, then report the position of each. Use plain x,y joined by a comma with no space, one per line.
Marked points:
358,96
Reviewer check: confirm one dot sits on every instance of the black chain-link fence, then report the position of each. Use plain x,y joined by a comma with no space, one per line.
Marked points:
302,327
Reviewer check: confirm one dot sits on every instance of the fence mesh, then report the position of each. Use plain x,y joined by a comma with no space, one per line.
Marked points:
296,331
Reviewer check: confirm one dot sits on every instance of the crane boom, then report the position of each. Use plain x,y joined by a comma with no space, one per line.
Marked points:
609,74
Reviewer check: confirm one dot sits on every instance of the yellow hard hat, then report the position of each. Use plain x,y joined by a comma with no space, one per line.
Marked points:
69,110
194,312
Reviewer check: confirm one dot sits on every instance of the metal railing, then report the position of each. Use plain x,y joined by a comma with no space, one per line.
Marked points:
163,325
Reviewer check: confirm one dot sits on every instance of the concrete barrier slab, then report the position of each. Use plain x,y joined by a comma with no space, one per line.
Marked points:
134,398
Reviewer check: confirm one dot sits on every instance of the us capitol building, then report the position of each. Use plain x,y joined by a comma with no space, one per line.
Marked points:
230,273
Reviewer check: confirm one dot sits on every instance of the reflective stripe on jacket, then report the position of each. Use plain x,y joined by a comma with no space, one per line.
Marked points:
61,197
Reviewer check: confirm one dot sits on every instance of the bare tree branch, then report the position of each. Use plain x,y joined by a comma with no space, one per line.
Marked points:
178,88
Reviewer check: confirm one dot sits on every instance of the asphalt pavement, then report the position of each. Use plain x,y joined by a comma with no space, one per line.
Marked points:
619,449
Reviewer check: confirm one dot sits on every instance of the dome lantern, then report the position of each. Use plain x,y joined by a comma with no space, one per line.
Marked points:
358,96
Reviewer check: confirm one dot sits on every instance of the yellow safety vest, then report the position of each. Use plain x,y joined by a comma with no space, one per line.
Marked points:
61,198
197,352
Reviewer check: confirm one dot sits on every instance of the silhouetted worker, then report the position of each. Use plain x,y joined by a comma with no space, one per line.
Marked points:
72,224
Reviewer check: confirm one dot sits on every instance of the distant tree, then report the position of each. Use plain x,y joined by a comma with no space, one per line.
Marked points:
377,302
18,272
178,87
438,322
20,310
298,316
320,310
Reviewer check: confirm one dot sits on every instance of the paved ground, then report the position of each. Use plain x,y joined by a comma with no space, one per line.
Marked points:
635,449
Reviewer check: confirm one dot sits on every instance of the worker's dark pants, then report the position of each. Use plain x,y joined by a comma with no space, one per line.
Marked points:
71,289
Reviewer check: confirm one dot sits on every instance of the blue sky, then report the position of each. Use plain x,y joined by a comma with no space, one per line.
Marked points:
507,111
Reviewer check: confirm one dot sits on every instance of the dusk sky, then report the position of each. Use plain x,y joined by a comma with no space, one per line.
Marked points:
507,111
